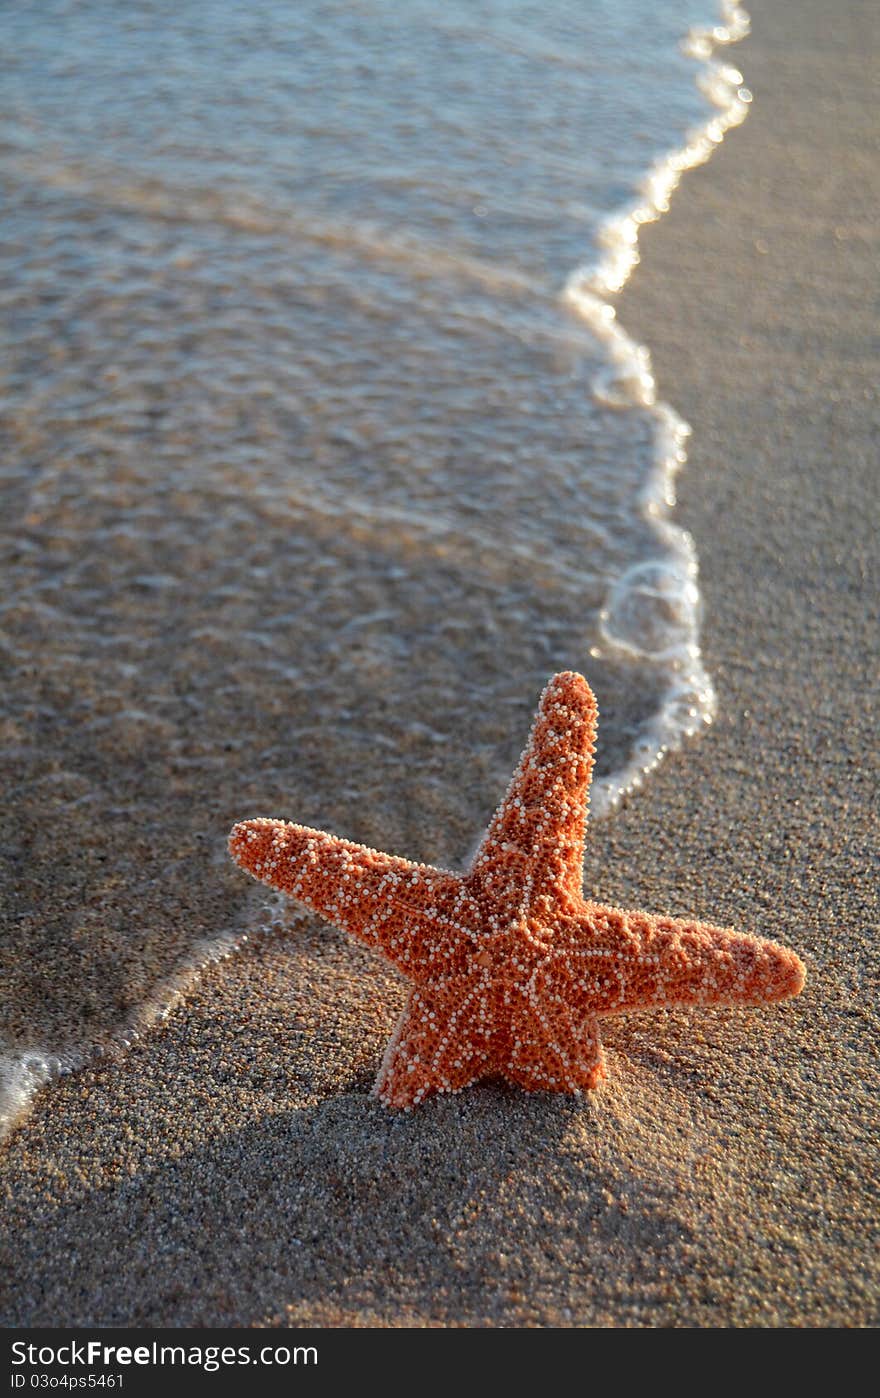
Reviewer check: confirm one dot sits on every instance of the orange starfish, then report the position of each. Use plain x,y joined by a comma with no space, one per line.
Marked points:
511,968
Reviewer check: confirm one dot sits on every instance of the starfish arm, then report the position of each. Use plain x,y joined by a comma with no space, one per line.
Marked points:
631,960
441,1044
531,857
411,912
552,1053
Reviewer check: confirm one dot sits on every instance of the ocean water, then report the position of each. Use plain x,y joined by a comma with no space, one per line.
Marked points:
323,448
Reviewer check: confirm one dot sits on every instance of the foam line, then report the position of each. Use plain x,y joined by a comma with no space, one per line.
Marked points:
653,610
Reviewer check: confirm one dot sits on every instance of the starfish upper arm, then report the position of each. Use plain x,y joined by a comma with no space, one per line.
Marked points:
532,853
383,900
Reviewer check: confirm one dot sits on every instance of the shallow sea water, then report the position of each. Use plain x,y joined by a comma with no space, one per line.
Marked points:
321,450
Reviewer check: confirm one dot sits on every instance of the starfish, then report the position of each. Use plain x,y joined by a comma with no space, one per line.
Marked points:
510,967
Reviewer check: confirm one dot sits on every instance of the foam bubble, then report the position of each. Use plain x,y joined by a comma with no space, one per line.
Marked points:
652,611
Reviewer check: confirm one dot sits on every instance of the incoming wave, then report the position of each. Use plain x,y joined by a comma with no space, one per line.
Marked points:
264,417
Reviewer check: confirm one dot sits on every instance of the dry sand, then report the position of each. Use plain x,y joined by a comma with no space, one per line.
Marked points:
232,1168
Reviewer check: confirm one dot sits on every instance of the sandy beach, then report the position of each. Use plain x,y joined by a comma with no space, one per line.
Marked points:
231,1169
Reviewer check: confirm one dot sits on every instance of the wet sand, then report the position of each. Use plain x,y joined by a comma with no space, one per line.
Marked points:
232,1167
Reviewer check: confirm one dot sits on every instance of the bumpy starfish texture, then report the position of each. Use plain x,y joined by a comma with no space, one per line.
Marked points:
510,967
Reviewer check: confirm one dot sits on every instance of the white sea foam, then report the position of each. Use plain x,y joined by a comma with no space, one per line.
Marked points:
22,1074
653,609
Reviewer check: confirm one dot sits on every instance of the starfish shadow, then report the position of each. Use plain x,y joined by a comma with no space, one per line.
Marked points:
341,1212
